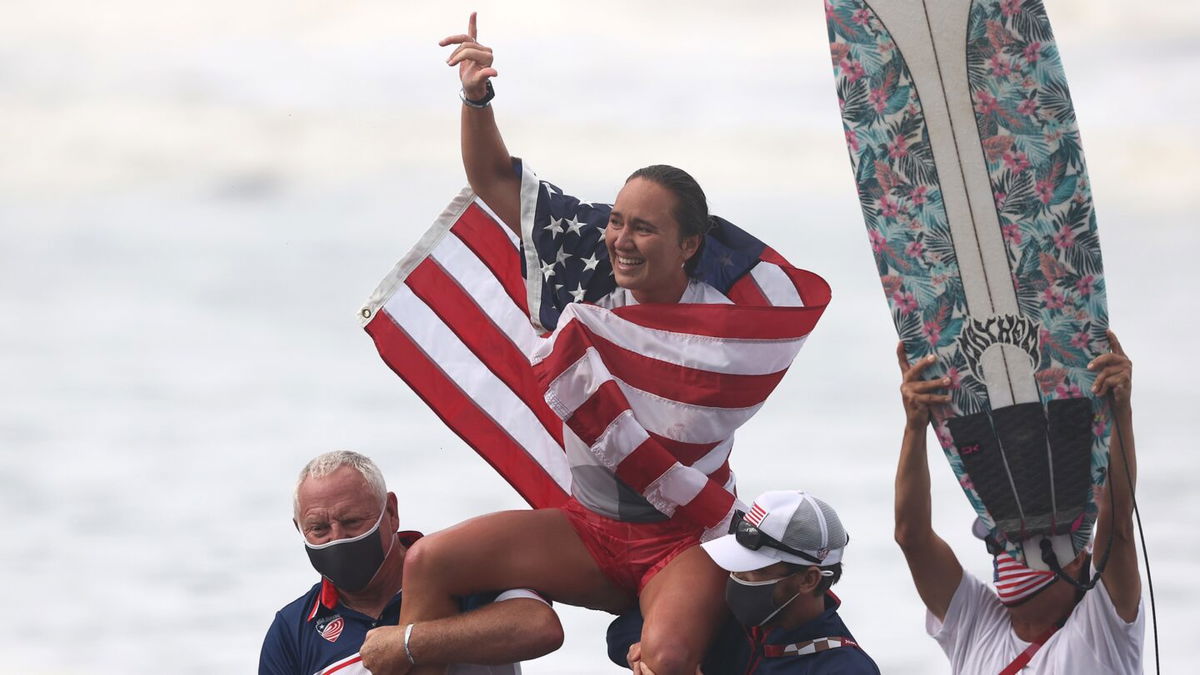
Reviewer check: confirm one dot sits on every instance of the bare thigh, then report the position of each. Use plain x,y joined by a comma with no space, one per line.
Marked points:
683,606
510,549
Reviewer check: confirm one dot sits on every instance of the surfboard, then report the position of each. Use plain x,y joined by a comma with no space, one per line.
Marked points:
970,171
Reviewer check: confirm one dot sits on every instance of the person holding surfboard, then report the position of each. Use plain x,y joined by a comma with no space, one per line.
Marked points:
646,371
1033,620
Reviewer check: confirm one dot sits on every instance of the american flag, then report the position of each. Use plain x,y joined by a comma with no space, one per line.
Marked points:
756,515
656,391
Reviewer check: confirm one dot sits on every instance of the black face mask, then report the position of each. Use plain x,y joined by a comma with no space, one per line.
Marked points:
752,602
351,563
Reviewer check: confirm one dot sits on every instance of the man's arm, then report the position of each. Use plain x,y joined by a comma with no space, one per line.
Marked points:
278,654
1114,378
486,160
935,570
505,631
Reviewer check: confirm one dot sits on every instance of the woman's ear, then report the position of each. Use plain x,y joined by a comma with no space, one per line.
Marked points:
690,245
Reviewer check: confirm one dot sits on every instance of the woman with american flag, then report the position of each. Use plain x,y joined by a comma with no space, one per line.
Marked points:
657,331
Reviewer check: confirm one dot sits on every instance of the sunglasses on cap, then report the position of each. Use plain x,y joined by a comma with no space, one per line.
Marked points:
753,538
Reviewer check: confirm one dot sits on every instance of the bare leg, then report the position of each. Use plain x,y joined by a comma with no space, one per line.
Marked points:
683,605
511,549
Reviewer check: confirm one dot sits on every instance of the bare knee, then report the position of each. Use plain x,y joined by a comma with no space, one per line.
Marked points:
667,654
428,589
421,560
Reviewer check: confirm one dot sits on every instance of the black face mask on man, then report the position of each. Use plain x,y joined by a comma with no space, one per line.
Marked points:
351,563
753,602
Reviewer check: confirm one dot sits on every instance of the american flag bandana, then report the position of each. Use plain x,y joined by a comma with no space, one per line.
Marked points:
1015,582
488,330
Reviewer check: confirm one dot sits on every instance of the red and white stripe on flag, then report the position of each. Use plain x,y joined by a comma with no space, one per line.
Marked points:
644,386
451,321
756,515
655,391
1014,581
351,665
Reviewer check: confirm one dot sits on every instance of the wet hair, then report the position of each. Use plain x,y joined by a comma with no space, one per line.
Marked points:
323,465
826,582
691,207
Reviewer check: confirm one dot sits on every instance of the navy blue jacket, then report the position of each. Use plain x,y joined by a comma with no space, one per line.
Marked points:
738,650
317,631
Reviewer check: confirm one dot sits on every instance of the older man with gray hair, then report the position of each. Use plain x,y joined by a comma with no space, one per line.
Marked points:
351,533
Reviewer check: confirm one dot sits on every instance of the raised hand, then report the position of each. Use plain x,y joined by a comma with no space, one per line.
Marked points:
1114,374
919,396
474,60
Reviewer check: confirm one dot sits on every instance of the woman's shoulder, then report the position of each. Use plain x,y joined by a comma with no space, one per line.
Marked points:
699,292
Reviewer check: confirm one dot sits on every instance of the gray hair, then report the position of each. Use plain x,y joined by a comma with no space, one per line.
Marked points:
327,463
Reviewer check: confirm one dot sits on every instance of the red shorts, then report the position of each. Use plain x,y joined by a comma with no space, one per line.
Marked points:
629,554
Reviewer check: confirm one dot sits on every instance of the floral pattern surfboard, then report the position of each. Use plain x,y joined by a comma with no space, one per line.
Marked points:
985,108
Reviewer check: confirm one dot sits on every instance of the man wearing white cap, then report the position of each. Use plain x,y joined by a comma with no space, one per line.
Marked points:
1033,621
783,555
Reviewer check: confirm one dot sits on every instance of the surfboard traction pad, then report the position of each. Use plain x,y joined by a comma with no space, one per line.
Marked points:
1031,144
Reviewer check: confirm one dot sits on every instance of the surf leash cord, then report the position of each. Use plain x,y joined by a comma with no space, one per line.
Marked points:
1141,537
1051,559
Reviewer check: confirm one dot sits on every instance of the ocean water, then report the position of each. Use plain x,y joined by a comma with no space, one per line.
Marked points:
194,199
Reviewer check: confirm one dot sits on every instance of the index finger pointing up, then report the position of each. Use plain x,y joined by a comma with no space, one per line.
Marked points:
472,28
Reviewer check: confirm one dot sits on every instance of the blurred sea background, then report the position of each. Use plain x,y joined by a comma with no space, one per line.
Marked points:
195,198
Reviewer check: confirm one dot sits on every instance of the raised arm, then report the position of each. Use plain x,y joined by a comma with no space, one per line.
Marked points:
935,570
1114,378
505,631
486,160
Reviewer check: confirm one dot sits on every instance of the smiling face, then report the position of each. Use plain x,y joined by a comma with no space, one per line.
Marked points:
643,240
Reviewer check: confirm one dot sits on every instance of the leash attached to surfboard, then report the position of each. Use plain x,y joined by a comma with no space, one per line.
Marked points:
970,172
975,194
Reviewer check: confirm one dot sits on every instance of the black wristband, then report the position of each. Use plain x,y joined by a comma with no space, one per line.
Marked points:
481,103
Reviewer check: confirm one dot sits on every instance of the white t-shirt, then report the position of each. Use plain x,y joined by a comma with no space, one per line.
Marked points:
697,292
978,638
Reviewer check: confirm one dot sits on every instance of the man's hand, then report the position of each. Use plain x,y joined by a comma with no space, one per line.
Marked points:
935,570
638,666
474,60
1114,522
1114,374
919,396
634,657
383,651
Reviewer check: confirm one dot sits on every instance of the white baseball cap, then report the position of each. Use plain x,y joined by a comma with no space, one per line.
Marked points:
782,526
